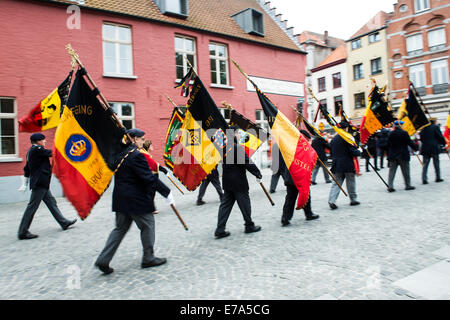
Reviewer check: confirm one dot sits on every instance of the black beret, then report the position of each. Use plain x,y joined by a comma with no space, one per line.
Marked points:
135,133
37,137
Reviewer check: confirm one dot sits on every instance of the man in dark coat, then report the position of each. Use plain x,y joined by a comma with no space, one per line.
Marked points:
213,177
398,155
432,140
38,172
276,170
132,201
235,187
372,148
382,139
343,168
319,144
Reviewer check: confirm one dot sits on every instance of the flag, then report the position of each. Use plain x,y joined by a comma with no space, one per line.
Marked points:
46,114
153,165
176,121
87,147
378,114
447,133
202,140
311,129
411,113
297,153
254,136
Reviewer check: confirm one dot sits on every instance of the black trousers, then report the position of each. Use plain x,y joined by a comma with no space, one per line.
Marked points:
289,204
274,180
226,205
214,179
382,153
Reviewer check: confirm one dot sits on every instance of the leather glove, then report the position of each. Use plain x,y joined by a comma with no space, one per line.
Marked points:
170,199
24,185
258,179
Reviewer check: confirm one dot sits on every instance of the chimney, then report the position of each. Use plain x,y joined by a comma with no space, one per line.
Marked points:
325,37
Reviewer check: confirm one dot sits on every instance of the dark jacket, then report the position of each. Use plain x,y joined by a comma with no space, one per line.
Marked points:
342,154
372,144
234,177
398,142
382,138
319,144
134,184
431,137
38,167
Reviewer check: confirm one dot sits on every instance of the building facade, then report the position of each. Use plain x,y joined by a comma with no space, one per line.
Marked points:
136,52
418,38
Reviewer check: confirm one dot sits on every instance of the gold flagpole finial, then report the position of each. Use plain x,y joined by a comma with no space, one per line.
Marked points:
227,105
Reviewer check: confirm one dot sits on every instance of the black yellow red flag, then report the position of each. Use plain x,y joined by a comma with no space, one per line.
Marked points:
412,114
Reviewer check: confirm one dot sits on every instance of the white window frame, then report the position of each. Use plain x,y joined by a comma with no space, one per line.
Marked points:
117,107
361,73
185,52
430,37
117,43
414,44
417,75
380,71
358,44
218,59
421,5
261,120
442,73
16,130
374,37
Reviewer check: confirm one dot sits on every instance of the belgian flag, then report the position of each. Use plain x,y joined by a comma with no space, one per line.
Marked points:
46,114
447,133
378,114
254,135
297,153
412,114
202,141
87,147
176,121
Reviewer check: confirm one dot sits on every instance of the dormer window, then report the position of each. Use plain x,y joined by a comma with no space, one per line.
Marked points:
177,8
251,21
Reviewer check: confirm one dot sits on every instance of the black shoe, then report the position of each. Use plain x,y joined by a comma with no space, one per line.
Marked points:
313,183
391,190
154,263
329,181
200,202
66,226
424,182
104,269
252,229
410,188
271,191
377,169
355,203
222,234
285,223
28,236
367,170
439,180
332,206
312,216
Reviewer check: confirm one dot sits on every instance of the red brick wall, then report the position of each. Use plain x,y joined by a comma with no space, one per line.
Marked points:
34,61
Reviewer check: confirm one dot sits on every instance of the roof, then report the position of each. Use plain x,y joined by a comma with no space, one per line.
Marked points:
319,39
338,56
204,15
376,23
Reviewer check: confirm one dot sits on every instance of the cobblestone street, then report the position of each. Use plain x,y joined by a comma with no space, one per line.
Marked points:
349,253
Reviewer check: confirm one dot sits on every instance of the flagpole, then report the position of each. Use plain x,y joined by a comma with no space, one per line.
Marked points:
179,217
171,101
315,98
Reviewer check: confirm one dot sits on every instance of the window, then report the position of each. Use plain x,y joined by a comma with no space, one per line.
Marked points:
218,57
251,21
439,76
323,103
422,5
184,50
125,113
414,44
261,120
436,39
403,8
117,50
360,100
417,75
173,7
337,105
356,44
358,71
374,37
337,80
375,66
321,82
8,135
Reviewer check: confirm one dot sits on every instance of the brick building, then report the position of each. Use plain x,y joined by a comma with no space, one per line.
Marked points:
135,51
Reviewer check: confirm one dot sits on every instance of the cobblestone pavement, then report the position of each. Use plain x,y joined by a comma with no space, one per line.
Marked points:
349,253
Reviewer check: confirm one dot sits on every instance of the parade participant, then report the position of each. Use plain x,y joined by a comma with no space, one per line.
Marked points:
343,168
38,172
319,144
432,143
372,148
398,155
235,186
132,201
382,139
213,177
276,170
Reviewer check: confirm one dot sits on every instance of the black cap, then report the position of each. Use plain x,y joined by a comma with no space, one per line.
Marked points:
135,133
37,137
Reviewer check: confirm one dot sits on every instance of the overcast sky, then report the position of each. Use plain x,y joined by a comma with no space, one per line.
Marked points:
341,18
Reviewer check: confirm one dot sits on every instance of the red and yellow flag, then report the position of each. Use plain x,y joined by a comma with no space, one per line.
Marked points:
46,114
447,133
